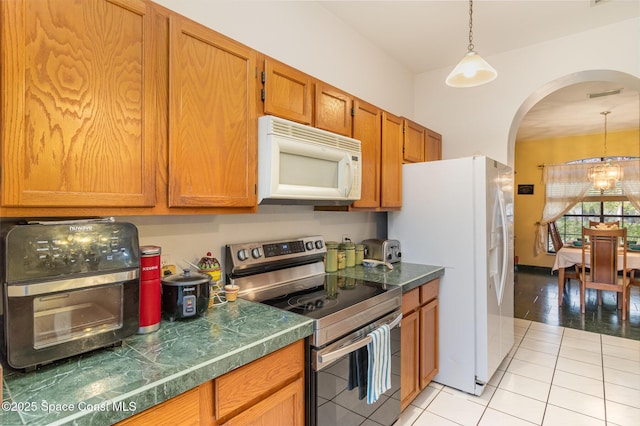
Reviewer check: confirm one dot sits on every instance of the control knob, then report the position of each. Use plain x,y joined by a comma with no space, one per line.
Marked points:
319,244
243,254
256,252
309,245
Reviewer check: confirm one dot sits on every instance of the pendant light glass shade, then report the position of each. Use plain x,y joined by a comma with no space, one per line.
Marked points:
471,71
605,175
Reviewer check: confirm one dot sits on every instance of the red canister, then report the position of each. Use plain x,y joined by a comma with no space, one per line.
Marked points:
150,289
149,262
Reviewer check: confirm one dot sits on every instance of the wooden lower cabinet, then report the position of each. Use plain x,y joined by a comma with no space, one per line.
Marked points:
419,339
285,407
182,410
410,353
428,342
267,391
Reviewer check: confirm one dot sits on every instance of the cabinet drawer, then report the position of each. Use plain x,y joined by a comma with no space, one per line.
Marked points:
182,410
410,301
248,385
429,291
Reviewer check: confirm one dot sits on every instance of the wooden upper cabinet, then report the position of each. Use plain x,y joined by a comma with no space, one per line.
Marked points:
78,103
366,128
333,109
391,167
212,118
433,147
287,92
414,142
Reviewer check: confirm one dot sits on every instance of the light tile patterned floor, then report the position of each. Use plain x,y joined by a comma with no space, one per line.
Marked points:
552,376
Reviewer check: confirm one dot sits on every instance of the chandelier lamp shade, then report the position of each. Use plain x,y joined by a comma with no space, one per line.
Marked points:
605,175
472,70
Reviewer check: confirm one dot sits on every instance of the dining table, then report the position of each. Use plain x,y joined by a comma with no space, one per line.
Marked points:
570,255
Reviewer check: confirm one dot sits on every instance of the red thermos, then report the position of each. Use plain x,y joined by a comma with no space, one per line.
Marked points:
150,289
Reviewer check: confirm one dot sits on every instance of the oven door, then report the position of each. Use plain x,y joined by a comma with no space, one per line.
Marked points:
52,320
331,400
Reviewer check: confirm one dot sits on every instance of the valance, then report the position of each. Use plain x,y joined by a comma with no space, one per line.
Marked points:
567,184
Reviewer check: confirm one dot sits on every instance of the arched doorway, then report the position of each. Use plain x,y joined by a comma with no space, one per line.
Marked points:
625,80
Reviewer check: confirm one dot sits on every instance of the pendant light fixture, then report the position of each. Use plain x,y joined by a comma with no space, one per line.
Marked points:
605,175
472,70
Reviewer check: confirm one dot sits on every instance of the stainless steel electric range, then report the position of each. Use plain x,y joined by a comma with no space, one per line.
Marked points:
289,274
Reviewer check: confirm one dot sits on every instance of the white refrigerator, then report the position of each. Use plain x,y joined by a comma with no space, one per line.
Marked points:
459,214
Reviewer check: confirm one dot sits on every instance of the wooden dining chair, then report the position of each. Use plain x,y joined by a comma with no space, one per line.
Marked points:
602,254
557,243
632,283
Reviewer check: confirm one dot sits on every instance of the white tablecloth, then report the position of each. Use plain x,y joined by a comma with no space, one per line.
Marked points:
569,256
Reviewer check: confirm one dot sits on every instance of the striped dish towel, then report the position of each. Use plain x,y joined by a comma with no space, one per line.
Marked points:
379,373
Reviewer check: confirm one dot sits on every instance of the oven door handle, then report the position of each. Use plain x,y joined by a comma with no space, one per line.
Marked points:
38,289
322,358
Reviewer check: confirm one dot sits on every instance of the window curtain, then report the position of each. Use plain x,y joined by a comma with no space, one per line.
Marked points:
631,181
565,185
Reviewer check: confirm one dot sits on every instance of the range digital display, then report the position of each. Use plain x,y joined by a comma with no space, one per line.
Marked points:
279,249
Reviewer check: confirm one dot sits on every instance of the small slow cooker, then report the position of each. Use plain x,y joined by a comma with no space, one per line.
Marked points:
185,295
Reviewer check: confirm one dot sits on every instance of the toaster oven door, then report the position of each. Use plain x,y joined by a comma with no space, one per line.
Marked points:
43,327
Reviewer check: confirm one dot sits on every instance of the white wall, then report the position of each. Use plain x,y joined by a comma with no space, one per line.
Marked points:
306,36
191,237
484,119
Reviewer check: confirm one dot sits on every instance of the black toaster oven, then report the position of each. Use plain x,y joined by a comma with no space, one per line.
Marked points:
67,288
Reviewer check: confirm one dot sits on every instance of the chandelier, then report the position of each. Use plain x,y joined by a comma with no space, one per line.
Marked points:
605,175
472,70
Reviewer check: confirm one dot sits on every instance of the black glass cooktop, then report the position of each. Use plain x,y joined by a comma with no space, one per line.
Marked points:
335,294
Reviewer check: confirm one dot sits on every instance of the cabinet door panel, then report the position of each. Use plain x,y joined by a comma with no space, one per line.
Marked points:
366,128
391,160
409,370
433,148
238,388
285,407
429,291
333,110
414,142
287,93
428,342
212,125
181,410
78,103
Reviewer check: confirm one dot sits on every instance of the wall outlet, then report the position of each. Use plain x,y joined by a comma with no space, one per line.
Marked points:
165,259
345,238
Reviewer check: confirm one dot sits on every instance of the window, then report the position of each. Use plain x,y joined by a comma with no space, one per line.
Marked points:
610,206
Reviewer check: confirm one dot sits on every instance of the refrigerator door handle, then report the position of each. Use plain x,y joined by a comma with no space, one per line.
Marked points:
505,246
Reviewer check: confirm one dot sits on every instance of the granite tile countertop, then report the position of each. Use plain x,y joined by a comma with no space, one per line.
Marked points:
406,275
109,385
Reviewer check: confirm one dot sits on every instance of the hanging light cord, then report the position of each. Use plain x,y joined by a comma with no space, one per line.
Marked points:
605,113
470,47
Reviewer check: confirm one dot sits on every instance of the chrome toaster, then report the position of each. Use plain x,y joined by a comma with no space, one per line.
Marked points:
384,250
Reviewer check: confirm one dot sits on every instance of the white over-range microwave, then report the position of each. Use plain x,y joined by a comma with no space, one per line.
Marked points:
299,164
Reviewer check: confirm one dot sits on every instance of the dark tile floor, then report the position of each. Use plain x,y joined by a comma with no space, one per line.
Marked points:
536,299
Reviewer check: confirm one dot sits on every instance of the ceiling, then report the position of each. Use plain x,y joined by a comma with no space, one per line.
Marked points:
439,31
